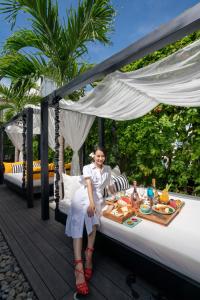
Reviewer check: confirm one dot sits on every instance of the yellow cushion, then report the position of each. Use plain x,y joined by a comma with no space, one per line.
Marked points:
68,166
8,167
36,173
37,170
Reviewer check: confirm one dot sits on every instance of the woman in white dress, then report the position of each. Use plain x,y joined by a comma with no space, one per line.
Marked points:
86,210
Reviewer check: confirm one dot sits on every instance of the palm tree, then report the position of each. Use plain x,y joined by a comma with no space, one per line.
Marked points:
60,46
14,98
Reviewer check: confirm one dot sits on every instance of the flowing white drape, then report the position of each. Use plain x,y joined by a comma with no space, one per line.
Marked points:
14,133
174,80
74,127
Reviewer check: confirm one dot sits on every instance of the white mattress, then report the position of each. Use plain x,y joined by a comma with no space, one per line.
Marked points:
177,245
16,178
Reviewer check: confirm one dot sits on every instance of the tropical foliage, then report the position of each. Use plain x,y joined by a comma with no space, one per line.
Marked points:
59,46
164,144
15,97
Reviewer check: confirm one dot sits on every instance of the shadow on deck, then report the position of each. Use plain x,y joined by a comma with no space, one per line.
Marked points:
45,255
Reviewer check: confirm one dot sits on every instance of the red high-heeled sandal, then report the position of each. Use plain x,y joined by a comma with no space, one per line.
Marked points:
81,288
88,271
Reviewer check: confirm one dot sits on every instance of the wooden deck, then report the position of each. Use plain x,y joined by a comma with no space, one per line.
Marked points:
45,255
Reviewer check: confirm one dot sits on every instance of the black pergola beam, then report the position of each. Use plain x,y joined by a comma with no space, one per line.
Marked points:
44,162
1,155
29,157
184,24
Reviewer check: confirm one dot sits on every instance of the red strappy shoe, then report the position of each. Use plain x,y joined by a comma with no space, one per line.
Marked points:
81,288
88,271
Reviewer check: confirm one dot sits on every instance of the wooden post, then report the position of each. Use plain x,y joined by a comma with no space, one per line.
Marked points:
1,154
101,132
44,162
29,157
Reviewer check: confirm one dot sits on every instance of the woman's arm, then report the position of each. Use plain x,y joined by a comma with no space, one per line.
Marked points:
91,207
112,189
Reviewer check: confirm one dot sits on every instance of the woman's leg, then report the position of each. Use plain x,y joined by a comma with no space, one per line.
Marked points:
90,247
91,238
77,245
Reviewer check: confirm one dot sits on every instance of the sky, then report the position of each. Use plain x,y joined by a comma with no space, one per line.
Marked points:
134,19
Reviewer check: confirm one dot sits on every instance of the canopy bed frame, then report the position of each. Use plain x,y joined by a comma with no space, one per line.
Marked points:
186,23
26,116
24,182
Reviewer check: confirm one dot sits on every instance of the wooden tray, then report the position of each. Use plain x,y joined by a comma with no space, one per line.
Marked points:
160,218
118,219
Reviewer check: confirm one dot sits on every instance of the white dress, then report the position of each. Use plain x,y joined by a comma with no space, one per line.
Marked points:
78,216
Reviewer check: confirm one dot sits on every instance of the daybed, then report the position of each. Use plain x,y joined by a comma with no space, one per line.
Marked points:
175,247
13,176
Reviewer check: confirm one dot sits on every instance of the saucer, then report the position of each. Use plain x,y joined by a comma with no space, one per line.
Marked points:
145,213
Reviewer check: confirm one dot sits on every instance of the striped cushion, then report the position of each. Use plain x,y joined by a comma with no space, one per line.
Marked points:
120,182
17,168
36,164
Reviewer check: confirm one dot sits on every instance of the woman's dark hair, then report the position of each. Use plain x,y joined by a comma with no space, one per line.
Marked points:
97,147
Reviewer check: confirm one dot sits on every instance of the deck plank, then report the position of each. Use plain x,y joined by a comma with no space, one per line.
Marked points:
31,274
45,254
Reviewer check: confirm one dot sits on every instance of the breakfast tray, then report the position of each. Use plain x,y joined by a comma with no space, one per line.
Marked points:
120,219
160,218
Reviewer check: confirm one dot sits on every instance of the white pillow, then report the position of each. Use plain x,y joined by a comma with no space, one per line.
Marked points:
116,171
71,184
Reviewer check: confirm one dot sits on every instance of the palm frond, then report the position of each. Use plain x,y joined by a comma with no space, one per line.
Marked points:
5,106
92,21
16,65
21,39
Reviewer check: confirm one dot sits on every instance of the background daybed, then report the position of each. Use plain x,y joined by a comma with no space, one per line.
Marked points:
13,174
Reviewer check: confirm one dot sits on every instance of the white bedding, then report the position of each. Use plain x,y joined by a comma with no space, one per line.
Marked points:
16,178
177,245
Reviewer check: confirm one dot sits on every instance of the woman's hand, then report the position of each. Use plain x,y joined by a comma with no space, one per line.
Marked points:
91,210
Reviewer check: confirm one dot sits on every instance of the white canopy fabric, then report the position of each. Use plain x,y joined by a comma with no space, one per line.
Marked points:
14,131
74,127
174,80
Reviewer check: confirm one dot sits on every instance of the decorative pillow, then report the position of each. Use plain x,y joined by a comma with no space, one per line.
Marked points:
116,171
120,183
7,167
36,163
71,185
17,167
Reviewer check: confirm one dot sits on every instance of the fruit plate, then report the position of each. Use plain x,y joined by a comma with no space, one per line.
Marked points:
163,209
132,221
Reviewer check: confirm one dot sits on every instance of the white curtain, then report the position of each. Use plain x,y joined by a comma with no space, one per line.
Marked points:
174,80
74,127
14,133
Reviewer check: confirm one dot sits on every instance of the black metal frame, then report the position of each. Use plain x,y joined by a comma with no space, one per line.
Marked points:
184,24
27,119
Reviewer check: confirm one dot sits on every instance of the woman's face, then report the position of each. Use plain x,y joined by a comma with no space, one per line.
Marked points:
99,158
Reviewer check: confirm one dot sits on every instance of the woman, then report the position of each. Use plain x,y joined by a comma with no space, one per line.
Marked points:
86,210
